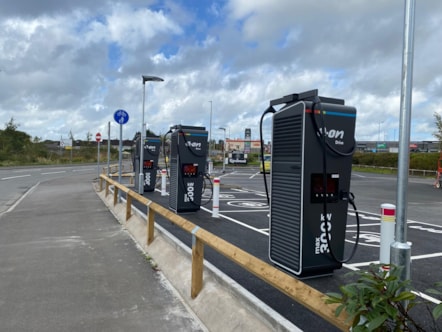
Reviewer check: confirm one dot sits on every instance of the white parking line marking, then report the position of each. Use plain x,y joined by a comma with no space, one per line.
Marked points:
16,177
48,173
237,222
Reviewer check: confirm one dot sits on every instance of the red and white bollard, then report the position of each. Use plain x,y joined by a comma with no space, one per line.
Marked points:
163,182
215,199
388,221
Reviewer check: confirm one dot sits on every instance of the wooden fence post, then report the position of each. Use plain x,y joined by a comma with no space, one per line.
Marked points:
115,195
150,224
197,264
128,206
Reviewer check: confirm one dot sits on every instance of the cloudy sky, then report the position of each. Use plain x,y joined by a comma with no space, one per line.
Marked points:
69,65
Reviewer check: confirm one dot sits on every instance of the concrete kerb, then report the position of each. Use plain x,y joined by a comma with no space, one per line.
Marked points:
222,305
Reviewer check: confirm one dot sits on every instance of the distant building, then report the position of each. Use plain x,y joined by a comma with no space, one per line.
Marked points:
393,146
239,145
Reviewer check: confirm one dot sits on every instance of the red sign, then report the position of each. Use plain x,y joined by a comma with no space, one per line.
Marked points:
98,137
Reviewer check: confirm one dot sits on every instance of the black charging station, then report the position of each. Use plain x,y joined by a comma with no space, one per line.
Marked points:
151,154
312,147
188,155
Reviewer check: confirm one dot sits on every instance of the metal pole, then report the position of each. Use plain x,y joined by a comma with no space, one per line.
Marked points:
210,132
108,148
224,150
72,143
141,175
145,78
120,157
98,160
400,250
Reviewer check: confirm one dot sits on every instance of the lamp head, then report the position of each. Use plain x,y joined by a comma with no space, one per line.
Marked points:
147,78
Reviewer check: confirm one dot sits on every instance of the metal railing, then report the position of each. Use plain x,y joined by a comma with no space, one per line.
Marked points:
412,172
300,292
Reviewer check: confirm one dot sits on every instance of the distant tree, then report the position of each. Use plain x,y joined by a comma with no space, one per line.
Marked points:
150,133
438,133
71,136
88,137
137,134
13,141
11,125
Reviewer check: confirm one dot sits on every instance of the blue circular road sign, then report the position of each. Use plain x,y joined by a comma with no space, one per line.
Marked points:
121,117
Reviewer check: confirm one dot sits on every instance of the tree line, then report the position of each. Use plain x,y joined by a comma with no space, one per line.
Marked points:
19,148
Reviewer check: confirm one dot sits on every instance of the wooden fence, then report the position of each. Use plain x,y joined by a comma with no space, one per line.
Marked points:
292,287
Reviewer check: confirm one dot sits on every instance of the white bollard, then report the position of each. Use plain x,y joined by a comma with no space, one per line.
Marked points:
210,167
163,182
388,220
215,199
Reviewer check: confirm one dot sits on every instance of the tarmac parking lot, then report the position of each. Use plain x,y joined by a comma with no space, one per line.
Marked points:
244,221
248,207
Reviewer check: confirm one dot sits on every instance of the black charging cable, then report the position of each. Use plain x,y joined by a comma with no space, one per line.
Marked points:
270,109
164,152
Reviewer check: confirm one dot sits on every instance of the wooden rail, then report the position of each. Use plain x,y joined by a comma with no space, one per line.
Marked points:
292,287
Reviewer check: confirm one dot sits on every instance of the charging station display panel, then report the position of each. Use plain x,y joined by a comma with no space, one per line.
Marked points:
187,165
311,166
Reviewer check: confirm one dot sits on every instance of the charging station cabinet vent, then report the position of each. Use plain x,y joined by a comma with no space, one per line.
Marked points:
298,240
188,155
151,154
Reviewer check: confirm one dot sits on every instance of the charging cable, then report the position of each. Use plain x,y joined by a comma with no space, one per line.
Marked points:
344,196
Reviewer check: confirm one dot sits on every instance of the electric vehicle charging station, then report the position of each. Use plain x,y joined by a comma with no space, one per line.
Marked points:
312,147
188,155
150,162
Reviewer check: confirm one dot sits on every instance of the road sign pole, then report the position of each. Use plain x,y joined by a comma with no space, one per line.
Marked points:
108,148
121,117
98,139
120,154
98,160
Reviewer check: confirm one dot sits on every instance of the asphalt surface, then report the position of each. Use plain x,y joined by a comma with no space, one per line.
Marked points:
66,264
244,222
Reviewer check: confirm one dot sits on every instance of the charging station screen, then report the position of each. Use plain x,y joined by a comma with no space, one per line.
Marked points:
317,188
190,170
148,164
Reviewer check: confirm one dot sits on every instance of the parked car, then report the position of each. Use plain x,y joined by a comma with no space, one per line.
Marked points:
267,164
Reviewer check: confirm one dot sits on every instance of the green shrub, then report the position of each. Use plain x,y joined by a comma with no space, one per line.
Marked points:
379,301
421,161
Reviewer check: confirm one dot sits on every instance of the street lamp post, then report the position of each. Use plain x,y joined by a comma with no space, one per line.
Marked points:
210,132
143,131
224,149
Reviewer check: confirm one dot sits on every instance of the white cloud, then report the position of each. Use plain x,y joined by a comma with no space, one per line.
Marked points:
130,28
70,66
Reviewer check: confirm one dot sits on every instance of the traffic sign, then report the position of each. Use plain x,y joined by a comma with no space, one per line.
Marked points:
98,137
121,117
